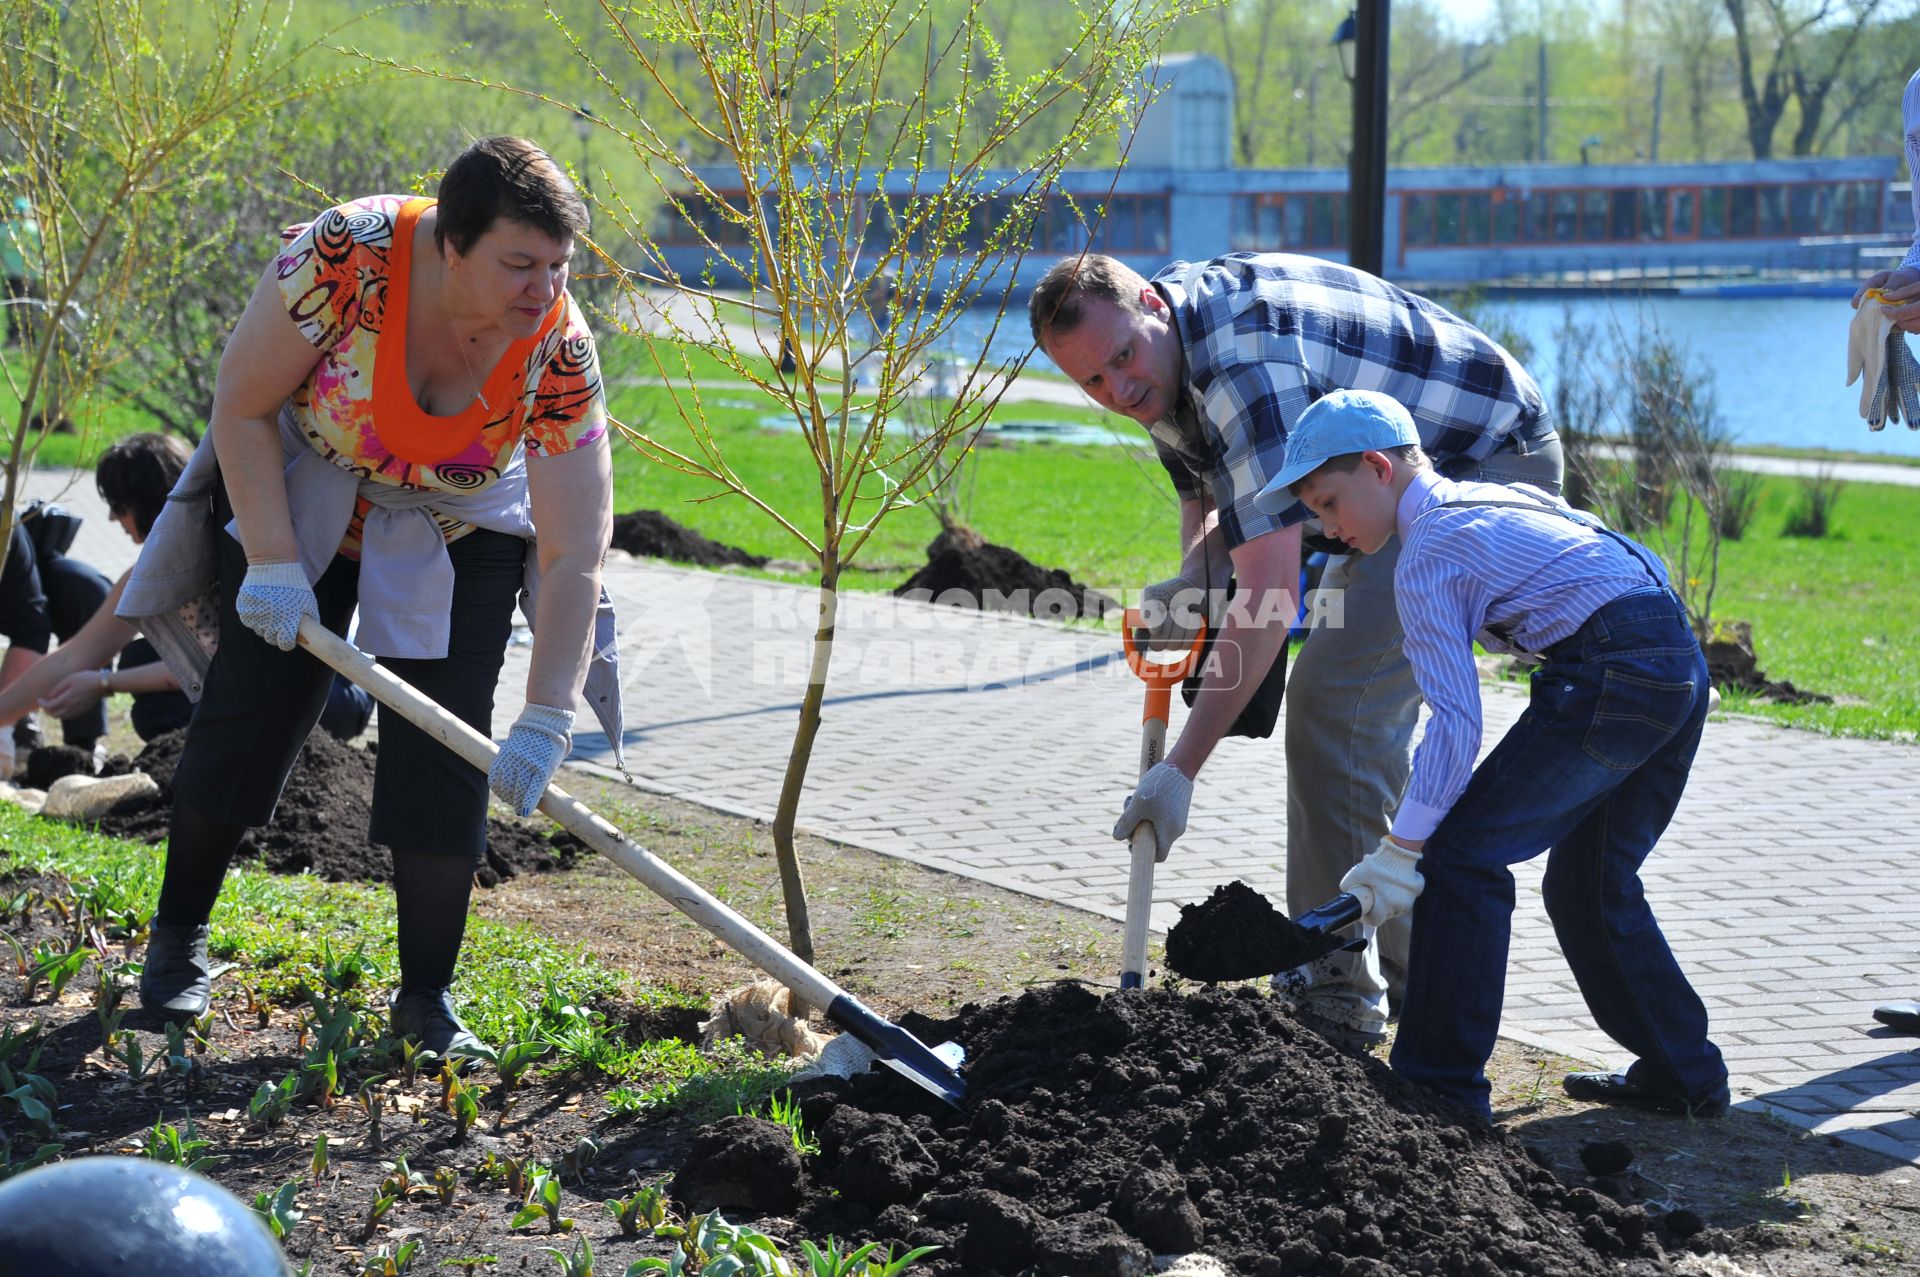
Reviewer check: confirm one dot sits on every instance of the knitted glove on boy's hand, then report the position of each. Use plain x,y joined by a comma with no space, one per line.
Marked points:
538,741
1386,883
1902,377
272,599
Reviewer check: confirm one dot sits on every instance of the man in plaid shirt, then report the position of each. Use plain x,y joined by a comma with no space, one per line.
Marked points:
1217,360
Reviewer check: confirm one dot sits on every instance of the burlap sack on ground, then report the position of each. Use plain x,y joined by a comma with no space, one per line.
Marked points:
760,1013
87,798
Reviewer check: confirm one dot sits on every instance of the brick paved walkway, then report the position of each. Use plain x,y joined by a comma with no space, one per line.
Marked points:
1000,748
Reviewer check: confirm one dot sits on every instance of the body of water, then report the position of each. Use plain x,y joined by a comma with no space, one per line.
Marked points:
1777,366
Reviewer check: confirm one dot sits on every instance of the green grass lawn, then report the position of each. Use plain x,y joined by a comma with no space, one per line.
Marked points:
1829,615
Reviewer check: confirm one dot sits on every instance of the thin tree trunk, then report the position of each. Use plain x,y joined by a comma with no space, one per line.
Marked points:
793,887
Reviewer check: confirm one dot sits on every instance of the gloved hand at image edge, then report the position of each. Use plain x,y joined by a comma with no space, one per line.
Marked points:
1386,883
1161,799
1173,610
536,745
272,599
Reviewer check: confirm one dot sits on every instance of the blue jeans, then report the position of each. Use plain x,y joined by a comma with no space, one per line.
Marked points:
1591,773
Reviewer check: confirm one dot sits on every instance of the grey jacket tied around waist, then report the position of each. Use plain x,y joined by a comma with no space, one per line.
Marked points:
406,576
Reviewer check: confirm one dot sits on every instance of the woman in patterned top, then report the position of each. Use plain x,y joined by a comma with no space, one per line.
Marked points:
410,392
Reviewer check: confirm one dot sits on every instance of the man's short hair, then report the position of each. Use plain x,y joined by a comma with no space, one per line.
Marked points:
1407,454
1056,305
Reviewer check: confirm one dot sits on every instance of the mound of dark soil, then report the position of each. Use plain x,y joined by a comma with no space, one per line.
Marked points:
50,762
1731,663
963,570
1098,1131
1237,934
321,823
654,535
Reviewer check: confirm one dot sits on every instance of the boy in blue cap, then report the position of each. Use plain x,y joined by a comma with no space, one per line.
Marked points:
1591,772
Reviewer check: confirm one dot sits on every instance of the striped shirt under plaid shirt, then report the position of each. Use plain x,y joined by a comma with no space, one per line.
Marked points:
1266,334
1514,579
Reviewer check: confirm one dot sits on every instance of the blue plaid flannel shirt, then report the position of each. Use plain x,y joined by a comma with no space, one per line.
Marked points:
1266,334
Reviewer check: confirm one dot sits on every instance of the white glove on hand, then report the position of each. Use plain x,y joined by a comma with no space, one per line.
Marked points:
1161,799
272,600
7,758
1867,357
538,741
1386,883
1174,610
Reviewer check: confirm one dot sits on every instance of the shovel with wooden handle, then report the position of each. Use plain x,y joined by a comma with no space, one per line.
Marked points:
933,1068
1161,677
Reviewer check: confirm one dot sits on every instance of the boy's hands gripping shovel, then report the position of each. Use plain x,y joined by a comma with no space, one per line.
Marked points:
1156,814
935,1069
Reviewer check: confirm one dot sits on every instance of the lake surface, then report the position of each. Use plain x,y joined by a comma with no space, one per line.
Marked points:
1777,366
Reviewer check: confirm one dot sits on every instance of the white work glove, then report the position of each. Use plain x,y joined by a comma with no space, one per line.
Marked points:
1174,610
537,742
7,758
1161,799
1867,358
272,599
1386,883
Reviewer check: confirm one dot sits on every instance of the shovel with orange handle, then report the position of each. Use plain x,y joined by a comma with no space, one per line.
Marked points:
1161,677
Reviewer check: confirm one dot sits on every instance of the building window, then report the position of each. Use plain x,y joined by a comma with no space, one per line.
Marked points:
1773,209
700,221
1683,210
1506,217
1742,205
1713,213
1476,216
1653,213
1416,228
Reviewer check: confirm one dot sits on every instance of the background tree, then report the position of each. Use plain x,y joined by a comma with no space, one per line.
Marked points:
113,113
862,133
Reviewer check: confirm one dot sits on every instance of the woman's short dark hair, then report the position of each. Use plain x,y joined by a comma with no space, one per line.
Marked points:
135,475
506,177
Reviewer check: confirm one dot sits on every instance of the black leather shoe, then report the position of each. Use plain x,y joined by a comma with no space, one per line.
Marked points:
1620,1089
176,980
1901,1017
428,1014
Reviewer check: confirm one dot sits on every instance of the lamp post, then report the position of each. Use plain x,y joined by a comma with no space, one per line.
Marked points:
583,121
1362,43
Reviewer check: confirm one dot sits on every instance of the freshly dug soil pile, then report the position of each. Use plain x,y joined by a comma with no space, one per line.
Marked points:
1237,934
1100,1131
964,570
50,762
654,535
1731,663
321,823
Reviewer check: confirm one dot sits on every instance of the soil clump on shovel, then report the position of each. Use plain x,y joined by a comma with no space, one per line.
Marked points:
1100,1131
321,822
965,570
1237,934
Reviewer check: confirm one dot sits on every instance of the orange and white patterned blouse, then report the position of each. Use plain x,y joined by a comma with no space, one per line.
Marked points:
344,278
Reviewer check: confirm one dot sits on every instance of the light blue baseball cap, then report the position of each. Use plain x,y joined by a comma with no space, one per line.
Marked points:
1335,425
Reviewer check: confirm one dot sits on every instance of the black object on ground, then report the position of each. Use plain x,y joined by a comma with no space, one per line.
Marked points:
965,570
1236,934
321,823
653,535
51,762
1101,1131
1606,1157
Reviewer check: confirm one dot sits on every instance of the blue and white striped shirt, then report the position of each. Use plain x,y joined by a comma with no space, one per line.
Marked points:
1515,580
1266,334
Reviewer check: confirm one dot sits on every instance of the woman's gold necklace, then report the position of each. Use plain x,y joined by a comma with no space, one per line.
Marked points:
473,378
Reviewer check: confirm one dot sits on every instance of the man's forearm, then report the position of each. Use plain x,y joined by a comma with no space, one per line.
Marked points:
1215,708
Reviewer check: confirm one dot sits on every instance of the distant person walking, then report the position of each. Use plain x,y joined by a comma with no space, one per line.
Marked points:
21,251
1900,294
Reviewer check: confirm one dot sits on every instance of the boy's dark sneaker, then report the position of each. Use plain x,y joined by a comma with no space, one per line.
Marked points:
1621,1090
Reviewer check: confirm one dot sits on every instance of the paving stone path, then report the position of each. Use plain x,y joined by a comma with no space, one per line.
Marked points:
1001,748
